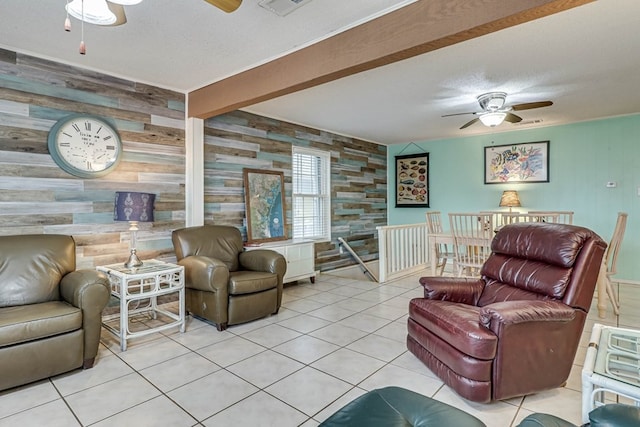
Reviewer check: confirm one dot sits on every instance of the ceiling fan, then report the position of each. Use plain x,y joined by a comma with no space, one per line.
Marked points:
111,12
494,111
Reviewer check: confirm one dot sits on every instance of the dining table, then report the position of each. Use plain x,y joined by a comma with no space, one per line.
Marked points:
446,238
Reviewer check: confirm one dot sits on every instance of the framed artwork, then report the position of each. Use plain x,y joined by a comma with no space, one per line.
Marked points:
526,162
264,203
412,181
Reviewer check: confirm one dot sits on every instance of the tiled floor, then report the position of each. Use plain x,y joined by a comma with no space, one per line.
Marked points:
330,342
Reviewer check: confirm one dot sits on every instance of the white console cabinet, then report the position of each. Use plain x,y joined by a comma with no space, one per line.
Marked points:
300,256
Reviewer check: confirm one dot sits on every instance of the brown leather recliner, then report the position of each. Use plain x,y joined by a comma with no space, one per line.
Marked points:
50,313
224,284
515,330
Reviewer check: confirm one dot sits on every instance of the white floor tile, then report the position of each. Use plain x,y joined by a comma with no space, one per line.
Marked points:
346,336
105,369
152,353
271,335
179,371
201,337
52,414
28,396
105,400
157,412
231,351
561,402
308,390
332,313
304,323
379,347
306,349
391,375
265,368
259,409
211,394
338,334
348,365
364,322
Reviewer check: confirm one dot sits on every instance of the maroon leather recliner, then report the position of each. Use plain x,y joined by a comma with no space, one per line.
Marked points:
515,330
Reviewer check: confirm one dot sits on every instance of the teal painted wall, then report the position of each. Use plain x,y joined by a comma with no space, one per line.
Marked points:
583,158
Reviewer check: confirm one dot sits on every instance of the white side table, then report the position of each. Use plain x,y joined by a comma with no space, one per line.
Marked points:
612,365
138,290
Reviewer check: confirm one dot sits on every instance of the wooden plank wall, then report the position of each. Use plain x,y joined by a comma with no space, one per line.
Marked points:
36,196
240,140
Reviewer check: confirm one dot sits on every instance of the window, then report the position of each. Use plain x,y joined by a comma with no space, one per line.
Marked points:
311,195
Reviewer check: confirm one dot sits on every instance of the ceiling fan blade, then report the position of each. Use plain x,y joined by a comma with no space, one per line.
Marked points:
531,105
460,114
117,10
226,5
466,125
512,118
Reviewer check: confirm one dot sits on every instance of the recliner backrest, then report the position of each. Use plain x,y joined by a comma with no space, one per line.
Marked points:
31,267
216,241
541,261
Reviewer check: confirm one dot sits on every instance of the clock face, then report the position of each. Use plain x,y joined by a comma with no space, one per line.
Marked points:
85,146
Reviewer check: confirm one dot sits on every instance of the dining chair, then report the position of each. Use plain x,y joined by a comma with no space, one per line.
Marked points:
610,261
472,234
563,217
434,226
517,217
496,217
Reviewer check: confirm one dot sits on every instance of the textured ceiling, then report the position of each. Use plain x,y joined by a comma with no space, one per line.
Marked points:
585,60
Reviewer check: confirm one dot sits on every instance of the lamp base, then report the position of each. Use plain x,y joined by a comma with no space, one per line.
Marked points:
133,260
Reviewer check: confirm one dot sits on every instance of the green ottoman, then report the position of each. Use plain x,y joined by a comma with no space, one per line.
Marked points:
398,407
613,415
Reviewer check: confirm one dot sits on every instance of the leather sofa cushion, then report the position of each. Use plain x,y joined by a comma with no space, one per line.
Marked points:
457,324
533,276
35,321
221,242
545,243
249,282
395,406
31,267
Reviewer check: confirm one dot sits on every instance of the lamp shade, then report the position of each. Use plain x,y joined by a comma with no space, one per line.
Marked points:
131,206
510,199
492,119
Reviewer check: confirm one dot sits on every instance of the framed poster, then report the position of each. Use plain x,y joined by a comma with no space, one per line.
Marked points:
412,181
264,204
526,162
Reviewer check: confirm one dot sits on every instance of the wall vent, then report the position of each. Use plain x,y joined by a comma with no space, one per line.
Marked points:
282,7
528,122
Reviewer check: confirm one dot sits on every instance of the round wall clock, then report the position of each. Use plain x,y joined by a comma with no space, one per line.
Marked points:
84,145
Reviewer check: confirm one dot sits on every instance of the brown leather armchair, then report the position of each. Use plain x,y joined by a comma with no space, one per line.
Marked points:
515,330
50,313
224,284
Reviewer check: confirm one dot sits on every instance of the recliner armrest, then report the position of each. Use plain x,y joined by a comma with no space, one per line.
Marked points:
454,289
206,274
86,289
496,316
89,290
264,260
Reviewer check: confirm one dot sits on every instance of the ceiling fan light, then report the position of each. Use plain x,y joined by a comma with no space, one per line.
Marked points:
95,12
492,119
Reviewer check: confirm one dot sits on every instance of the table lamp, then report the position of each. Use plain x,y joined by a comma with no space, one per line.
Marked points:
510,199
133,207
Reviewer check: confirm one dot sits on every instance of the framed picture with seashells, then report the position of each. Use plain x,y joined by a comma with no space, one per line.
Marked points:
412,181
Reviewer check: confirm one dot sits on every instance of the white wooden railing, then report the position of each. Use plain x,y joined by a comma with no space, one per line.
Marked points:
403,250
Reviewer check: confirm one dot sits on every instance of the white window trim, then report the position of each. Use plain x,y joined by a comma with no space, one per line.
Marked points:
326,184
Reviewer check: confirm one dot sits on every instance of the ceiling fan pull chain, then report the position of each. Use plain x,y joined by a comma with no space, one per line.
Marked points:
83,48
